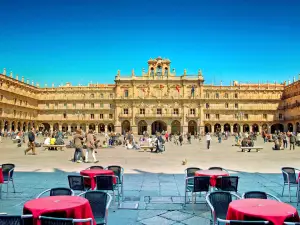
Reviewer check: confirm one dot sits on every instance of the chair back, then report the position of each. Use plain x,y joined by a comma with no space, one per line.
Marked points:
104,182
60,191
55,221
76,182
255,194
98,201
228,183
220,200
96,168
289,173
201,184
190,172
215,168
117,171
6,168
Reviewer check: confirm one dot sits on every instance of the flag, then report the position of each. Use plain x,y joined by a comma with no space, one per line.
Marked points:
177,88
193,90
161,86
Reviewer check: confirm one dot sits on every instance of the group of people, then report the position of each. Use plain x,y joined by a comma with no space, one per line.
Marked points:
281,140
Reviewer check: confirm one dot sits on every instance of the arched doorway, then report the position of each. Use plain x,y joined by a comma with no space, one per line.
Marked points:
158,126
73,127
298,127
13,126
125,126
24,126
64,127
19,126
255,128
217,128
142,126
29,126
6,126
92,127
83,127
207,128
236,128
264,127
55,127
46,127
101,127
192,127
227,128
246,128
277,127
110,127
175,127
290,127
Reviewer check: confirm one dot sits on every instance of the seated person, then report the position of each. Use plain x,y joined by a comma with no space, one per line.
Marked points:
245,142
104,145
47,141
276,146
52,142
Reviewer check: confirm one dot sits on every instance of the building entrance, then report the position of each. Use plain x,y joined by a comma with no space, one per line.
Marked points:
158,126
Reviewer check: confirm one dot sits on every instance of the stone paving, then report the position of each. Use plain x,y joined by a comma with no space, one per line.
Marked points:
153,183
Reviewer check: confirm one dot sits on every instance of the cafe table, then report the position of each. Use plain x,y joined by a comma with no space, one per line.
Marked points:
213,174
1,176
92,173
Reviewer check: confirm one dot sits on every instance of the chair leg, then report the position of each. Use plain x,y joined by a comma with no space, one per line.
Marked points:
12,180
290,192
193,201
185,197
0,191
282,190
7,189
114,197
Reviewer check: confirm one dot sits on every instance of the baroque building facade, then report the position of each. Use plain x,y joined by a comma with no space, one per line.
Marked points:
156,100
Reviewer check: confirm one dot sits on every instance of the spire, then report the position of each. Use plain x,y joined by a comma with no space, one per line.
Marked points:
184,72
132,73
53,85
17,77
11,74
23,79
4,71
27,81
199,73
294,79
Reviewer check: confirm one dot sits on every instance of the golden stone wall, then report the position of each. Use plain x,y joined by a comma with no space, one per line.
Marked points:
156,100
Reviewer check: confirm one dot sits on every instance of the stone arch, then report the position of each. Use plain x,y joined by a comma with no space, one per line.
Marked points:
46,127
142,126
73,127
19,126
83,127
255,128
277,127
217,127
6,126
92,126
125,126
207,128
55,127
192,127
101,127
24,126
246,128
64,127
298,127
236,128
290,127
110,127
175,127
13,126
227,127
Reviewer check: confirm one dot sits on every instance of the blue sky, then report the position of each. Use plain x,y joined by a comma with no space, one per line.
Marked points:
89,40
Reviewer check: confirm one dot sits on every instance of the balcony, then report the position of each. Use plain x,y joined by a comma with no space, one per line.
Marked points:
163,115
122,115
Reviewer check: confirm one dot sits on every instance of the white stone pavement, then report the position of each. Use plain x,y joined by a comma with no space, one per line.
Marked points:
154,181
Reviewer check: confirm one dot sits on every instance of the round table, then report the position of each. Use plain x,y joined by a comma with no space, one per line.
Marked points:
213,174
264,209
92,173
1,177
73,206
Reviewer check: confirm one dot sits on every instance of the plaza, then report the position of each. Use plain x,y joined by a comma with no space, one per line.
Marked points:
153,183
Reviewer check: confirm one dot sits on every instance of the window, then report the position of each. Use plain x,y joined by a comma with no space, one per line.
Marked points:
65,115
207,105
217,95
92,105
207,116
217,116
158,111
101,116
236,105
152,71
236,95
92,116
110,106
125,111
226,105
20,102
226,95
92,95
101,105
280,116
56,105
1,97
101,95
207,95
246,116
110,116
175,111
15,112
65,105
111,96
236,116
74,105
15,101
265,116
192,111
26,103
83,105
47,105
142,111
126,93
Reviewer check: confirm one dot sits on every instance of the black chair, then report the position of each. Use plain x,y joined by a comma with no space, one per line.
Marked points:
119,172
100,202
243,222
190,172
105,183
290,179
218,168
62,221
16,220
227,183
76,183
8,173
58,192
95,168
200,184
218,202
260,195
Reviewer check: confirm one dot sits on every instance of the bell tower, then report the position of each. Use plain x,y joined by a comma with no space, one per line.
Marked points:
158,67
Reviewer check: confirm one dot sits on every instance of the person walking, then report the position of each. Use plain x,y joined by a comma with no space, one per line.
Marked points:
31,140
292,141
284,139
208,139
78,139
90,144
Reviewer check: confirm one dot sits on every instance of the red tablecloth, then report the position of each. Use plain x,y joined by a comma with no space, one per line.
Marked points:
1,176
74,206
93,173
265,209
213,174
